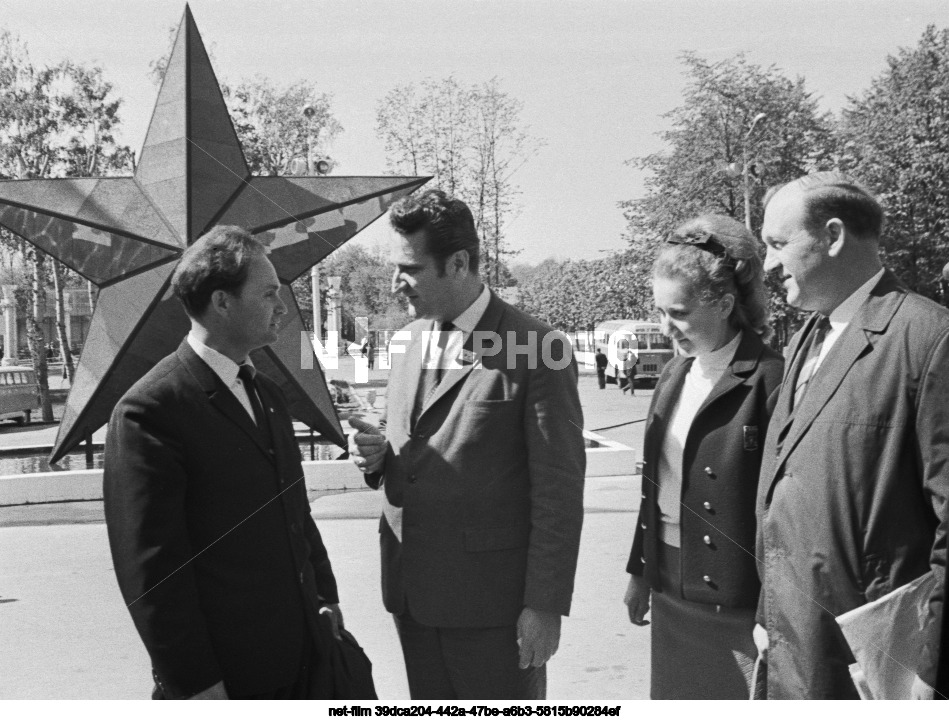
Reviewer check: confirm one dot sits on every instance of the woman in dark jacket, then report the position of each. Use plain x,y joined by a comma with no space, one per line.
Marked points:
693,550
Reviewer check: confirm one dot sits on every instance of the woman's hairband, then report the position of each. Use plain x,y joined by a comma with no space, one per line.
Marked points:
704,240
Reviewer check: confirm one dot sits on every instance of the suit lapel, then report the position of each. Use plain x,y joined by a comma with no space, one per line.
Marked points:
221,398
467,362
741,366
834,368
858,339
664,397
407,374
792,367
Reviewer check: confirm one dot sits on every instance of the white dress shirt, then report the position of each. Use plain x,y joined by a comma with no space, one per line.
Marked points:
445,348
226,370
841,316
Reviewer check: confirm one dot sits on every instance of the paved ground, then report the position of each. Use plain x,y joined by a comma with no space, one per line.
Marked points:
64,633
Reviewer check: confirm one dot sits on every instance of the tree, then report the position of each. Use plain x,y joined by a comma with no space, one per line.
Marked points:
472,140
30,122
365,286
576,295
714,132
54,121
90,119
895,138
279,126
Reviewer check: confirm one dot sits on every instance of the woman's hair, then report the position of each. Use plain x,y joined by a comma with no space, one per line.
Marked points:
717,255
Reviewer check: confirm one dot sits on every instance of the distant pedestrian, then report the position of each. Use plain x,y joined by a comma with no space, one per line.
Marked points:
630,372
371,352
601,362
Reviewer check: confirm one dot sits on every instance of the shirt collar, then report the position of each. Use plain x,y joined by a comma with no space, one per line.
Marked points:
844,313
224,367
467,321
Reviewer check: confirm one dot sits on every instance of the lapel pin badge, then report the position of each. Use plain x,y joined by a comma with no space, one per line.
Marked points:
750,438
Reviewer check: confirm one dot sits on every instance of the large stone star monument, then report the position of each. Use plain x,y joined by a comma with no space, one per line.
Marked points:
126,234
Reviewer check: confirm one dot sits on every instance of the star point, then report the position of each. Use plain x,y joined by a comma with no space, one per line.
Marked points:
126,234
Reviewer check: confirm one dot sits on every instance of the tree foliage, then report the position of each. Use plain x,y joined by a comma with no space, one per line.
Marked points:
365,288
283,129
895,137
713,134
54,121
576,295
472,140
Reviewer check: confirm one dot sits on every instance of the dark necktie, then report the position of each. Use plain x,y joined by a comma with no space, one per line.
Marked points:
809,366
431,377
246,374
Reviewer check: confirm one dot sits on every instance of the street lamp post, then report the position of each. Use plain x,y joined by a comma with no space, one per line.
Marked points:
308,112
744,167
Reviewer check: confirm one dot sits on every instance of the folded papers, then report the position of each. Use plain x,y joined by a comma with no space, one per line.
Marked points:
886,637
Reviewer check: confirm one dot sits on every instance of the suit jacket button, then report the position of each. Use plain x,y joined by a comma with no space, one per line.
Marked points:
642,559
643,526
707,579
708,540
707,506
412,479
295,529
301,578
644,496
708,470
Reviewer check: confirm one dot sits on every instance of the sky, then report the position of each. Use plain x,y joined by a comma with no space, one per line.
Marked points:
595,77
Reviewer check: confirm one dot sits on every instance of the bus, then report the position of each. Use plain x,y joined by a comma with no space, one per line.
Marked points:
645,338
19,393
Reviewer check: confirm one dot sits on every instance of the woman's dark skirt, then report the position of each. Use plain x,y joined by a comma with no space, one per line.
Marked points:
699,651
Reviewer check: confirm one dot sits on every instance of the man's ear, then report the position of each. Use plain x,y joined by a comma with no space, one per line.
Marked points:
220,302
836,236
459,262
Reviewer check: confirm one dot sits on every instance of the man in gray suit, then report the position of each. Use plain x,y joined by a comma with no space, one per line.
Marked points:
856,465
482,463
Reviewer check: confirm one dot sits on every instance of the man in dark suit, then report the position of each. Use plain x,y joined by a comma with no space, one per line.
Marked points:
855,475
215,551
482,464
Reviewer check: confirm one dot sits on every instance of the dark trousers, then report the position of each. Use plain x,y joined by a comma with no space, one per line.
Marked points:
309,684
601,377
466,663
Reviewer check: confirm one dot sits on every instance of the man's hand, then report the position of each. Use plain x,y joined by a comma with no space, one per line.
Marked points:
336,617
760,636
367,447
538,635
215,693
921,691
637,600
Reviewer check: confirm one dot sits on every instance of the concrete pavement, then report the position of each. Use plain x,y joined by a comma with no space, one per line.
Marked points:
65,634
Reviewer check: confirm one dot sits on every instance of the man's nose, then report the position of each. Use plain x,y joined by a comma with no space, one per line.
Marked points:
397,282
281,308
771,260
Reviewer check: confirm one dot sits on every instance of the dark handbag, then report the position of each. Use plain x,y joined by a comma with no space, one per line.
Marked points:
351,669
